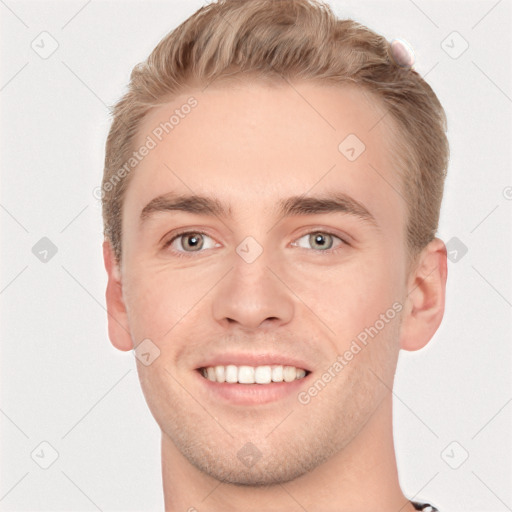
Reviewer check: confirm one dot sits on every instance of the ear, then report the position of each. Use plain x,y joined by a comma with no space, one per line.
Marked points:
118,329
426,290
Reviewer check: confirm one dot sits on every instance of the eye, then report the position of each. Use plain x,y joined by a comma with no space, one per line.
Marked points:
320,241
189,242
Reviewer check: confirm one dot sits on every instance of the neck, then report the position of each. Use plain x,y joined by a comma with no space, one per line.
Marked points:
362,477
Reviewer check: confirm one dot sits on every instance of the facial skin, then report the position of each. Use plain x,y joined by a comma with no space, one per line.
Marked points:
251,146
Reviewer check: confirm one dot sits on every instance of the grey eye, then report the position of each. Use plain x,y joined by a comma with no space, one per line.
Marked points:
191,242
318,240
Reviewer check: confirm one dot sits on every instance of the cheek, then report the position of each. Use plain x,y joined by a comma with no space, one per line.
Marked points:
349,296
155,303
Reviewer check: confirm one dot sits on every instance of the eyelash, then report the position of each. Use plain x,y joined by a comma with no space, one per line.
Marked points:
181,254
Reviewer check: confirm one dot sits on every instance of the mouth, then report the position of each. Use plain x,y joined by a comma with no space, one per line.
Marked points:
251,379
243,374
250,386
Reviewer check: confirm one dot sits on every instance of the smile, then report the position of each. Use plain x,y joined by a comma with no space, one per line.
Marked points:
233,374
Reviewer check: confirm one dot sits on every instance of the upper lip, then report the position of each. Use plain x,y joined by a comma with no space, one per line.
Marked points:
267,359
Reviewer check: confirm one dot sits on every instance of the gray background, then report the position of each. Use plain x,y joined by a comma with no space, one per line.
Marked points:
62,381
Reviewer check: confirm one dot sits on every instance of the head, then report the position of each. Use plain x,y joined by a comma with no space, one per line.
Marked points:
295,131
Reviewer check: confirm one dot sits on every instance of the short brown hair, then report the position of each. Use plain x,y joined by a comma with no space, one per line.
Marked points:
291,39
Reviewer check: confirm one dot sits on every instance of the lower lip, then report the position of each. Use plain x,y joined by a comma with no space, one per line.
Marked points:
252,394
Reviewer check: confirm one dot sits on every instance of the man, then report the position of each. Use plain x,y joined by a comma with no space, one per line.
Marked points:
272,189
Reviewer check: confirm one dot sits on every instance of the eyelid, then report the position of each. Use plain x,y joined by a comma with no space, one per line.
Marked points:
345,238
179,234
330,251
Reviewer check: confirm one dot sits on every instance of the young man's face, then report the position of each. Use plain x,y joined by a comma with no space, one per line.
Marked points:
215,299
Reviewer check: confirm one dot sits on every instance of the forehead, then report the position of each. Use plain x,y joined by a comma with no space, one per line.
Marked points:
252,144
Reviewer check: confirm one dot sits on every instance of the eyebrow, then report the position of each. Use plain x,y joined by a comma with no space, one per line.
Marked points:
295,205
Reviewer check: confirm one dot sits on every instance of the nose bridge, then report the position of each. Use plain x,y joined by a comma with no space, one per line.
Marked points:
251,293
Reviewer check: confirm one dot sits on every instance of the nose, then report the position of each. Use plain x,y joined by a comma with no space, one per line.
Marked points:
252,296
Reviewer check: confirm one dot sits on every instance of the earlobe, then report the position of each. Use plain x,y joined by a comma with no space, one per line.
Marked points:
118,329
425,300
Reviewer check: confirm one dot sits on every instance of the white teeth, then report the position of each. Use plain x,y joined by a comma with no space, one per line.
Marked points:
289,373
277,374
246,375
300,373
263,375
253,374
220,374
231,373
